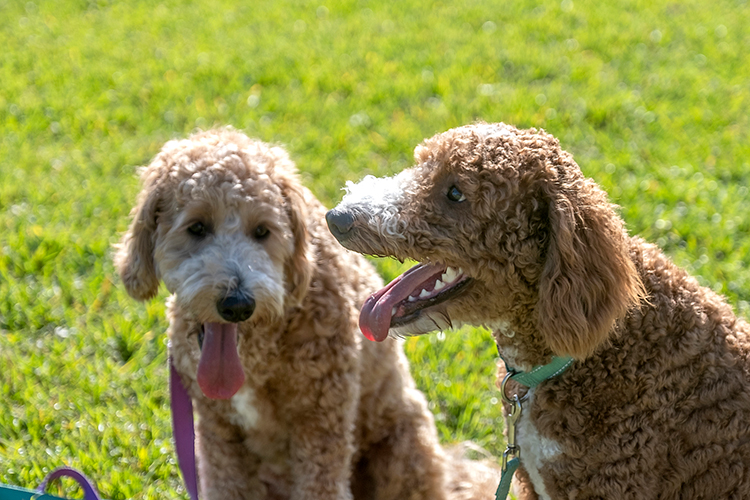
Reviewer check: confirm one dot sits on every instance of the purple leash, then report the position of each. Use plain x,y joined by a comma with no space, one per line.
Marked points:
89,492
184,440
183,431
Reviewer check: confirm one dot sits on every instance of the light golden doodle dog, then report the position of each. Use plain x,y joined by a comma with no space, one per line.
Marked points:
510,235
292,403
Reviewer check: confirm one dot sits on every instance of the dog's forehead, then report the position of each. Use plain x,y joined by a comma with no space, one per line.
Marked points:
222,161
230,185
460,147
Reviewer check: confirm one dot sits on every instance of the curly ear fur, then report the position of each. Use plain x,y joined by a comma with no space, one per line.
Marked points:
588,280
135,253
298,269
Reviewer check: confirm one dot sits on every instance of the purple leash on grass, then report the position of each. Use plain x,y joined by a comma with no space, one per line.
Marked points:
184,440
89,492
183,431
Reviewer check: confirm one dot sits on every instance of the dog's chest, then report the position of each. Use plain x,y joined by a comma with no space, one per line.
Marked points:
536,450
246,411
265,435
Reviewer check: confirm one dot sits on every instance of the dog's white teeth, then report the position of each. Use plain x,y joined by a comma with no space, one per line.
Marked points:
412,298
460,271
423,294
439,285
449,275
393,311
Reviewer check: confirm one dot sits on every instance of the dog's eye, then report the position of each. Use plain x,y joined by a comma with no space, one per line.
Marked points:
455,195
197,229
261,232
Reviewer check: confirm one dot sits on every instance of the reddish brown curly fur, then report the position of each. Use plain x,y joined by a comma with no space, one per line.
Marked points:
322,414
657,401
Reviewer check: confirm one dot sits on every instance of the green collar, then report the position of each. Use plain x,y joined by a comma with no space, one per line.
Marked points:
539,374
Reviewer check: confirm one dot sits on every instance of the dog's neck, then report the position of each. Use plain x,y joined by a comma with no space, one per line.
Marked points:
520,345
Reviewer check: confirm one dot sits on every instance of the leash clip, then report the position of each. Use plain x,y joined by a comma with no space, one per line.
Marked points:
512,450
511,419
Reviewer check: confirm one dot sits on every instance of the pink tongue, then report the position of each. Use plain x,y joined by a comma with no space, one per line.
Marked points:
220,373
375,316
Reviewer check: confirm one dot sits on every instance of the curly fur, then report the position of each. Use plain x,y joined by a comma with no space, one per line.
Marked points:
321,414
657,402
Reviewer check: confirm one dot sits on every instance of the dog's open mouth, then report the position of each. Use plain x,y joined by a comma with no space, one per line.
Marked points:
403,300
220,373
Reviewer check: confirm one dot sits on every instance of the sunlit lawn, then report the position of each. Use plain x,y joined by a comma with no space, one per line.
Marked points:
652,98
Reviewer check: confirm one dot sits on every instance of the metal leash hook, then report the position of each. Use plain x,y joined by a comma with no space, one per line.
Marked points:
512,454
511,420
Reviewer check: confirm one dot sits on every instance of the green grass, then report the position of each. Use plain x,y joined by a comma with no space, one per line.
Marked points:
652,98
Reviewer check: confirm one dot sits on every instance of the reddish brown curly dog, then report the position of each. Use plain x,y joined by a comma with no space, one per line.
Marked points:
293,404
513,237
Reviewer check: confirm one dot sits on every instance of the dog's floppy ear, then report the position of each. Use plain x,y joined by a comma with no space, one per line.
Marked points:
588,280
298,269
135,252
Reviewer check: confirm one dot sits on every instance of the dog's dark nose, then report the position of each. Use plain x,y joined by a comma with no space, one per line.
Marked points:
340,222
236,307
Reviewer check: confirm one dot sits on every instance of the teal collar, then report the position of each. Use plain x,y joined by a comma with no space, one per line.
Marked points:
539,374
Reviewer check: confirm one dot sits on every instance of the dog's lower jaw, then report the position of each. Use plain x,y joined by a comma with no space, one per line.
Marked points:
426,322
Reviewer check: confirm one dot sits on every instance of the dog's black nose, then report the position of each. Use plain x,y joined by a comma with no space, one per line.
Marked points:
236,307
340,222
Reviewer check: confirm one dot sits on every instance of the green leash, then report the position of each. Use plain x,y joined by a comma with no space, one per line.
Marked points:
512,453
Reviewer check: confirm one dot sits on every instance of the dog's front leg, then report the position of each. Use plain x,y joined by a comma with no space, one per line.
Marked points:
522,487
322,437
226,470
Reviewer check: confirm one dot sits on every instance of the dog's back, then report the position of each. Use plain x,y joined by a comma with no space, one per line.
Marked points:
663,411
